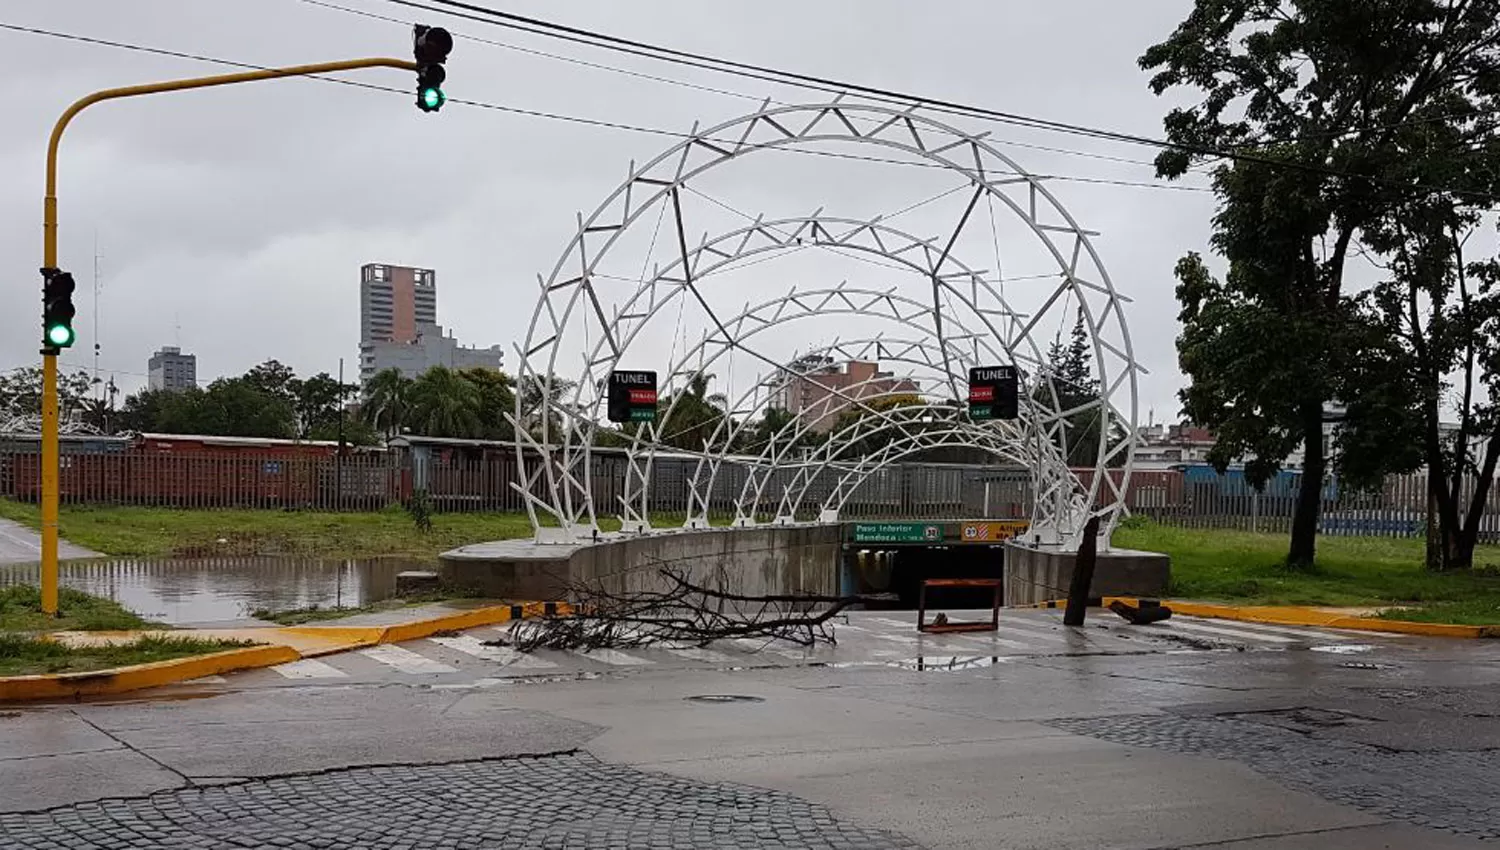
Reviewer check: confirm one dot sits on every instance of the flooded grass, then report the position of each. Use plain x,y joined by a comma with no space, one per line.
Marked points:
318,613
21,611
22,655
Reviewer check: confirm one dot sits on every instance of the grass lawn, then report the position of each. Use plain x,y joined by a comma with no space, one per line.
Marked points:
1245,567
21,611
167,532
22,655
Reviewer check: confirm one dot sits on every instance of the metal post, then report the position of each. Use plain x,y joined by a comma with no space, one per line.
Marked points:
1083,574
50,471
49,260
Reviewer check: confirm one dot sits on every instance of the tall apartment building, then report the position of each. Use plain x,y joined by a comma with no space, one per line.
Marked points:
398,326
170,369
393,301
829,389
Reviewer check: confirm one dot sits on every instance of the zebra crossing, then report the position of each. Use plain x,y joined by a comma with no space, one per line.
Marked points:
475,658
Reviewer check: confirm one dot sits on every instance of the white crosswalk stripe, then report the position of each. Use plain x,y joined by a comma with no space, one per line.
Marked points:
206,680
693,653
1292,631
470,645
990,640
759,645
309,668
405,660
1195,626
613,657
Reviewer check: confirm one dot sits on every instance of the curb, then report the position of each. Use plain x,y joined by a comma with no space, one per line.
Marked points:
119,680
1294,615
354,637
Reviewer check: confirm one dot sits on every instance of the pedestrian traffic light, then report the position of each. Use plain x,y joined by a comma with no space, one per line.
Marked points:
431,46
57,309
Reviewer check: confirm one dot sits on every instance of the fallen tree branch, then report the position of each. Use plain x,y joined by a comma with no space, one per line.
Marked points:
682,613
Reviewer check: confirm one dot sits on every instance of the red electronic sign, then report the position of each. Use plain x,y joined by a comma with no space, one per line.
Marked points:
643,396
982,392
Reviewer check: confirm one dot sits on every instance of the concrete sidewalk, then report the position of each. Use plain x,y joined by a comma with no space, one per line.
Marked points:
21,545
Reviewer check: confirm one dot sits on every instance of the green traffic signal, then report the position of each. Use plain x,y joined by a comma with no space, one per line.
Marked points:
432,98
60,336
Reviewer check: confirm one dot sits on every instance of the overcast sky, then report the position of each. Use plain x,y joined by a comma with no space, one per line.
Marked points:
234,221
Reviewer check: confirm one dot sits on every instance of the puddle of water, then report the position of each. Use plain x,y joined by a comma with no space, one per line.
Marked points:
178,591
1343,649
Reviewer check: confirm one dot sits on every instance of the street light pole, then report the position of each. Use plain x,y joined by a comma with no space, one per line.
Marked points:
49,352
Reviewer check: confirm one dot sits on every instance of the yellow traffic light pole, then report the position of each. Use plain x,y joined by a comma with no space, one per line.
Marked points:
50,450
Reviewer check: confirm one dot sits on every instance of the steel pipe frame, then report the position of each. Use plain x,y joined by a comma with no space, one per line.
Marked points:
769,128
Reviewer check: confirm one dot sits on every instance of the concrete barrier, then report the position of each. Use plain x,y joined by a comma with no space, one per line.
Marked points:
753,561
1042,574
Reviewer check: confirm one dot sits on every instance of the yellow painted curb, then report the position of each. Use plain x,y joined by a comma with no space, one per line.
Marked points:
1296,615
118,680
351,637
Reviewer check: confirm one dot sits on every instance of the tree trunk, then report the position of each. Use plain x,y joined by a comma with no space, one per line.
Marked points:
1310,491
1462,556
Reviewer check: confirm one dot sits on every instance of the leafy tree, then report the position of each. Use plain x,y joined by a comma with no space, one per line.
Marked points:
231,407
538,400
387,401
319,402
1314,96
444,404
497,401
275,379
21,391
696,414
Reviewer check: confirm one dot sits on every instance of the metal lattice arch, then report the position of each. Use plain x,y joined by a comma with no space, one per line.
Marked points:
586,313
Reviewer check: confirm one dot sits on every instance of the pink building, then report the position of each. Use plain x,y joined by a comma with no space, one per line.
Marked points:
829,389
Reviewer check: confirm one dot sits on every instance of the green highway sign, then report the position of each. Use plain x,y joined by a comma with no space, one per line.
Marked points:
898,532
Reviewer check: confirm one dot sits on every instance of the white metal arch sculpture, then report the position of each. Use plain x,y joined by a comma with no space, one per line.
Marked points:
559,465
796,306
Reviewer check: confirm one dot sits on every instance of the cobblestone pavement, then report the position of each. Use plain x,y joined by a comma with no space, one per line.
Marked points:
559,801
1449,789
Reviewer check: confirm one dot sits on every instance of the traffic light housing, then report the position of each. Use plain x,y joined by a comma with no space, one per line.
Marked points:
431,46
57,309
993,393
632,397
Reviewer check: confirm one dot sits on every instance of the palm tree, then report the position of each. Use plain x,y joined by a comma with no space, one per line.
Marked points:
539,399
445,404
387,401
696,414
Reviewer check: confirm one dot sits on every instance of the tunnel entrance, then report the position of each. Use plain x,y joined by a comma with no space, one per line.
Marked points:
899,571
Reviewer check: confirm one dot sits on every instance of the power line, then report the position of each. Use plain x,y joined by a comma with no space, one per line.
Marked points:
593,122
684,83
538,26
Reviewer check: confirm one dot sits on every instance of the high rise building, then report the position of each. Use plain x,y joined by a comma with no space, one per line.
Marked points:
393,301
398,326
826,389
170,369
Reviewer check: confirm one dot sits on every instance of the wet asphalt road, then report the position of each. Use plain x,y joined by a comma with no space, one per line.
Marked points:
1108,738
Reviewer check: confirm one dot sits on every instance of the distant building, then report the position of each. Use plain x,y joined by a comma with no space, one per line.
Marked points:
170,369
394,301
398,326
827,389
430,348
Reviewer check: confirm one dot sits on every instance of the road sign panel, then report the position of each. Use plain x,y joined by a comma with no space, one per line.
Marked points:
898,532
991,532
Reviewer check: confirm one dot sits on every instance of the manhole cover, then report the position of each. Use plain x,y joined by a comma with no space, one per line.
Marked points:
724,698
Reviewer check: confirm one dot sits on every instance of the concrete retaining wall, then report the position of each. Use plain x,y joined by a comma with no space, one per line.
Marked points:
1037,575
753,561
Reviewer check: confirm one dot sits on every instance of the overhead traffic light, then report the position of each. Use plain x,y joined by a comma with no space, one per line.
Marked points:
431,46
57,309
